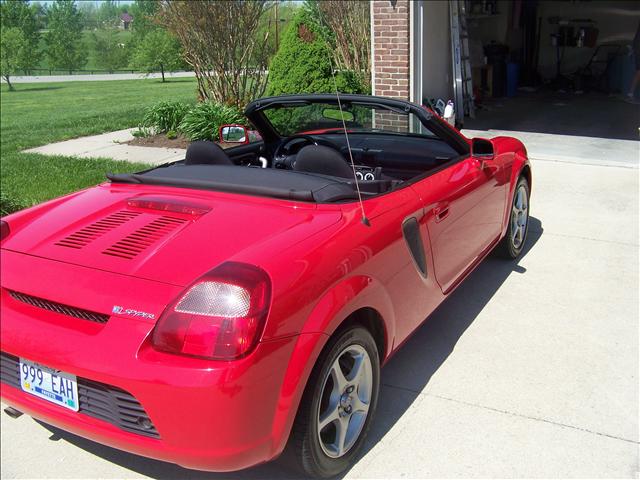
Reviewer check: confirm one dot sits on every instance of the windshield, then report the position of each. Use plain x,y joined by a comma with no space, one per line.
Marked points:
290,119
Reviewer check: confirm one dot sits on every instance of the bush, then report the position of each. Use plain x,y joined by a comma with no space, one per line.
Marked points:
165,116
203,121
172,134
141,132
303,62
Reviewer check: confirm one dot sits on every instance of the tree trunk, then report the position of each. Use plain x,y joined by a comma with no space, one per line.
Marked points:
6,77
162,71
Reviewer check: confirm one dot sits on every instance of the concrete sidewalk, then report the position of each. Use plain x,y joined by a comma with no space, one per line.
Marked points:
97,77
111,145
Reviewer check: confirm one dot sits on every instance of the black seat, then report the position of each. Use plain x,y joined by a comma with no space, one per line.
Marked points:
322,160
204,152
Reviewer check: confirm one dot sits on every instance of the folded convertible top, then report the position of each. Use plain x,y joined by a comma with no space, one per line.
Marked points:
265,182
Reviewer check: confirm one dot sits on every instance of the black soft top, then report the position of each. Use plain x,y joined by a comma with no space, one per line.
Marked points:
266,182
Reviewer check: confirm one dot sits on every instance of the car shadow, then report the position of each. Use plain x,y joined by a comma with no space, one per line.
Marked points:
415,363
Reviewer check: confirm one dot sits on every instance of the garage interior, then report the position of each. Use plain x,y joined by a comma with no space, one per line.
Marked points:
546,66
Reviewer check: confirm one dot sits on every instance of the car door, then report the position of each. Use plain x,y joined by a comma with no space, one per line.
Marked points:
464,206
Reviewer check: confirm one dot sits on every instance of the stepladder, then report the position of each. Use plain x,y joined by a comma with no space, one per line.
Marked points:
461,62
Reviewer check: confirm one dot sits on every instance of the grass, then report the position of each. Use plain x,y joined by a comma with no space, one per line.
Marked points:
40,113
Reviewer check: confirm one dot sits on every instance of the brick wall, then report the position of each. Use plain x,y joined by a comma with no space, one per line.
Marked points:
390,33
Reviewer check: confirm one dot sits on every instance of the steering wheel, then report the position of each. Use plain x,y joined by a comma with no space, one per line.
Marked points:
280,156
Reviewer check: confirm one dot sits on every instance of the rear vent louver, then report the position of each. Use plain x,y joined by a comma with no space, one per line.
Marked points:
88,234
144,237
59,308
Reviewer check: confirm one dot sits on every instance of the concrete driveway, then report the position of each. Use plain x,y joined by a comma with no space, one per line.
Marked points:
530,369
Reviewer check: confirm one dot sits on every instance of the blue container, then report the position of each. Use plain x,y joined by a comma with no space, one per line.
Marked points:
513,72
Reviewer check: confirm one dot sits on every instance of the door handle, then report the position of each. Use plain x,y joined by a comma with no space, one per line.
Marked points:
441,212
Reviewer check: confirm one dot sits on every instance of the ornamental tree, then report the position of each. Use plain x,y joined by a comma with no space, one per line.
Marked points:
14,53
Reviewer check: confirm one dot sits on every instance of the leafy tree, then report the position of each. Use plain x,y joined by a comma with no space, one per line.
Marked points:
65,48
89,12
158,50
13,53
274,24
111,52
303,63
40,11
19,14
348,26
143,12
108,14
220,42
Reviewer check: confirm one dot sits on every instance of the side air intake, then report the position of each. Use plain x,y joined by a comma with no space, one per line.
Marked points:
411,232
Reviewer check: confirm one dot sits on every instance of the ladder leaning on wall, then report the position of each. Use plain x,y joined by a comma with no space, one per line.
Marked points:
462,82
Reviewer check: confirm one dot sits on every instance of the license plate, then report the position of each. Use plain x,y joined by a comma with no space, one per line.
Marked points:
53,385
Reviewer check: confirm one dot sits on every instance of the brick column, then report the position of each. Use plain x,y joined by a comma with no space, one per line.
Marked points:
390,45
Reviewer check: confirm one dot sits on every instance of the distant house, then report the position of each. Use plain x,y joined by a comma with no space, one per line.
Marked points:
125,21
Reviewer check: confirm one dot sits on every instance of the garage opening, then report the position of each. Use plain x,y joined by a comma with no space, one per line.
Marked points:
563,67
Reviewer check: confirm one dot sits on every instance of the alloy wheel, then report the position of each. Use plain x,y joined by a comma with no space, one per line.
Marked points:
519,217
345,401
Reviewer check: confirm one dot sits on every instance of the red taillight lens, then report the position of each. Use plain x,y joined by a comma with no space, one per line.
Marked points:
4,230
221,316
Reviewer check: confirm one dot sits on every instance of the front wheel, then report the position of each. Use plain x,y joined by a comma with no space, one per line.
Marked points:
337,406
514,240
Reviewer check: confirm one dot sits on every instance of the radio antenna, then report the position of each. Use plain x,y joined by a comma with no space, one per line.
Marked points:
365,220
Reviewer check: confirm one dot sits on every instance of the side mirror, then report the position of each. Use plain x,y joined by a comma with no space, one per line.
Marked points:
483,148
234,134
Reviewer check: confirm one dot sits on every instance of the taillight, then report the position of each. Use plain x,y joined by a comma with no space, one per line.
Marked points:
221,316
4,230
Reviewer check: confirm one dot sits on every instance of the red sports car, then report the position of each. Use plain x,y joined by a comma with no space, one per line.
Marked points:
218,311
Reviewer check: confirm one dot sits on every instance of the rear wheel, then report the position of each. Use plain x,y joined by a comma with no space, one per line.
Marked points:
337,406
513,242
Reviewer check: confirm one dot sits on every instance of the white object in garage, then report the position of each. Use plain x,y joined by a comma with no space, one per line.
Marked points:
450,113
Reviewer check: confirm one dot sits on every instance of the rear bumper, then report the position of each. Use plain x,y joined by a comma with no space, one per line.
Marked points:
217,419
217,416
219,422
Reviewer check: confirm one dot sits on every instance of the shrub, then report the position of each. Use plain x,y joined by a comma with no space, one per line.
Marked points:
141,132
303,62
203,121
165,116
172,134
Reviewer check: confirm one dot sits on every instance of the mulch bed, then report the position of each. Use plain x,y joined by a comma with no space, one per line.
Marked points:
160,140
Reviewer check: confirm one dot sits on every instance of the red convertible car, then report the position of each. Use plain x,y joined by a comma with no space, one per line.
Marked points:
220,311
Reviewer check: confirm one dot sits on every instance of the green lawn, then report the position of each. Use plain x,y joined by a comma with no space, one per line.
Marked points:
40,113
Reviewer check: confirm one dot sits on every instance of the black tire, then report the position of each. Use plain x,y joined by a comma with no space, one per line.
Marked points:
304,452
510,247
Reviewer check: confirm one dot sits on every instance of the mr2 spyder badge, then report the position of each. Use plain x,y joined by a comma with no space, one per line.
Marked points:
131,312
